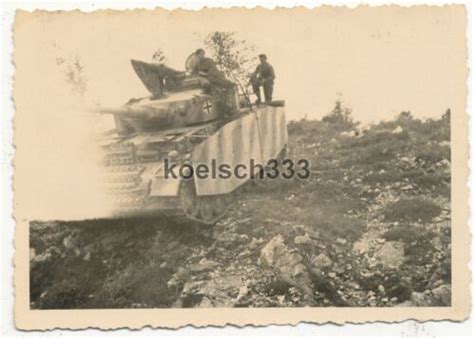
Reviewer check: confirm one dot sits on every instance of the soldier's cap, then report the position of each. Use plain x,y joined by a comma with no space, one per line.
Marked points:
199,50
262,56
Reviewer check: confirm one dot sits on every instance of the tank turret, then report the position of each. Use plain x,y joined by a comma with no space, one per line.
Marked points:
177,100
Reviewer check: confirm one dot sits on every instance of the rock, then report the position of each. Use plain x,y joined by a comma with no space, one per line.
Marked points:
222,291
173,154
204,265
436,283
129,244
401,290
420,299
351,133
68,242
322,261
172,245
245,220
341,240
272,251
289,264
113,240
179,277
406,303
254,243
332,275
44,257
397,130
339,269
353,285
390,255
243,291
230,239
442,295
361,246
32,254
320,246
303,239
191,288
87,256
444,162
299,229
408,160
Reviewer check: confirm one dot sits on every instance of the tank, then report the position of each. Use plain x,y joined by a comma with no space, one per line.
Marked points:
188,121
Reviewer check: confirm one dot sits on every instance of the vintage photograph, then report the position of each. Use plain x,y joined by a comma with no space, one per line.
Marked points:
287,158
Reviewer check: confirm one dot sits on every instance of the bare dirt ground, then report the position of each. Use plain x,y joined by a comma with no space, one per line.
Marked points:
370,227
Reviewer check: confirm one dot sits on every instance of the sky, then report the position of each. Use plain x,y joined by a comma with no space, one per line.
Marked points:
381,61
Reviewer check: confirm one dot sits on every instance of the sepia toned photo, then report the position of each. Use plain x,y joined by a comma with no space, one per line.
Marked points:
240,166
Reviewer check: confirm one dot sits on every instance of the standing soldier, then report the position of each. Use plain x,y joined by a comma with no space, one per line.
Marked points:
264,75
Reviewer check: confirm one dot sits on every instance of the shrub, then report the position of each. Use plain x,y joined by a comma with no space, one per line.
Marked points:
340,117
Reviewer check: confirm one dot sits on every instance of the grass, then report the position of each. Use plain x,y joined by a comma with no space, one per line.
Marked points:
332,223
145,284
417,242
412,210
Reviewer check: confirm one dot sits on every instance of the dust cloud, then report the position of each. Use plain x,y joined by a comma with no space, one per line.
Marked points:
58,159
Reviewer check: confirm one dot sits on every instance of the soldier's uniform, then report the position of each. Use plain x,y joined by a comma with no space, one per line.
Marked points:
206,67
222,90
264,75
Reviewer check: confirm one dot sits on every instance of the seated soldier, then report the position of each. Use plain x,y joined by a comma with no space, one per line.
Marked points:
222,90
203,66
206,67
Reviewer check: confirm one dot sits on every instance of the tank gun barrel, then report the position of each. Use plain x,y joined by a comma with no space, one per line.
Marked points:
126,112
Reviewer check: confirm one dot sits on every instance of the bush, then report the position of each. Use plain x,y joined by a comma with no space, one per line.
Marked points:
340,117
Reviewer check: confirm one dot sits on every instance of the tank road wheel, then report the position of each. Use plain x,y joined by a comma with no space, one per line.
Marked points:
204,209
189,201
219,205
283,153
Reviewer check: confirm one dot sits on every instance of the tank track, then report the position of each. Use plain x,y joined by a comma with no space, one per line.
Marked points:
205,209
210,209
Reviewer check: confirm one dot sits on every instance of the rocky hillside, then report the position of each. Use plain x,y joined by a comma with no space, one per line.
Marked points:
370,227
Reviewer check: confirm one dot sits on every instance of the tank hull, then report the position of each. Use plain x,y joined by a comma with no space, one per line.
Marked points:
258,135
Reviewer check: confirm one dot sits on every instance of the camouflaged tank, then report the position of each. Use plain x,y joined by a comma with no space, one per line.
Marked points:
185,121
